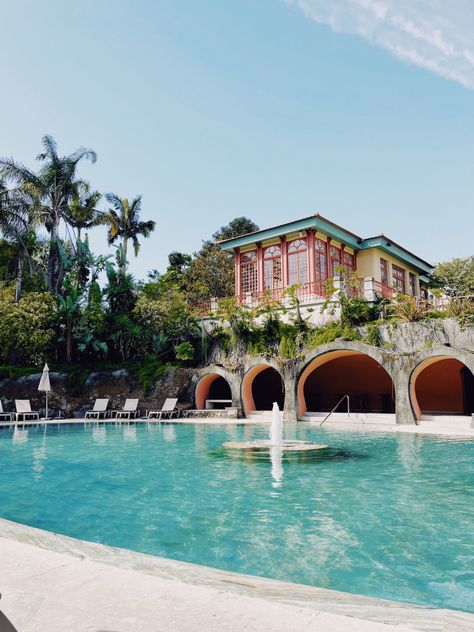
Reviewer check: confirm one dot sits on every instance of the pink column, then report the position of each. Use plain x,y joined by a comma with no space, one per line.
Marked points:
238,284
311,263
284,261
259,267
328,259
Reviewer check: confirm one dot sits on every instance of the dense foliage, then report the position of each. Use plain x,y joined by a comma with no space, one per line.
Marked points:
63,303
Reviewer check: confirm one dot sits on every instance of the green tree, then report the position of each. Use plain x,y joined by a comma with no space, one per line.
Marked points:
27,327
83,212
51,190
454,277
124,223
211,272
237,227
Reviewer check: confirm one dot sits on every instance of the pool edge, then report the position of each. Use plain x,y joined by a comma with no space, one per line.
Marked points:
423,618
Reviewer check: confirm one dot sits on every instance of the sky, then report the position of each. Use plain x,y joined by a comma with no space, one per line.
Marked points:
361,110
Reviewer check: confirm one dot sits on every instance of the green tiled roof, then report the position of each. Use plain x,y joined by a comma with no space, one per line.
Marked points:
320,223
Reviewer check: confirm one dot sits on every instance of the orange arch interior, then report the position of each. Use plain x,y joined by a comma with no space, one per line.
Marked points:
247,386
346,372
441,386
203,389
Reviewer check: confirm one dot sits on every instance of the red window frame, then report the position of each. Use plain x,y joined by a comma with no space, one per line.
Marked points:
399,282
272,268
321,260
297,262
248,272
384,271
335,258
348,261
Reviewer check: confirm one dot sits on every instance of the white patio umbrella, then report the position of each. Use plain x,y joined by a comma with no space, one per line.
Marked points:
45,385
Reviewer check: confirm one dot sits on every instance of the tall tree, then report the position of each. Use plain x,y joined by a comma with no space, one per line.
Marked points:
52,189
125,224
17,224
83,212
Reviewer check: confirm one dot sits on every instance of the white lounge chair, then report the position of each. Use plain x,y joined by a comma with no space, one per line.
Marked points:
100,409
23,409
168,410
4,415
129,410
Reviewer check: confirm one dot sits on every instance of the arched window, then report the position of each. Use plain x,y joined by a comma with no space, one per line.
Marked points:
321,260
335,257
248,271
272,268
297,262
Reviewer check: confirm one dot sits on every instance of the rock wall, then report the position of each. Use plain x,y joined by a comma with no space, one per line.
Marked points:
73,398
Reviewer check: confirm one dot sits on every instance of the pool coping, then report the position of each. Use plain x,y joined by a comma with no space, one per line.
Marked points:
332,602
425,428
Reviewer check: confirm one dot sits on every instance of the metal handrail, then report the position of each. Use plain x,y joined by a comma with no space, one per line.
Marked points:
336,406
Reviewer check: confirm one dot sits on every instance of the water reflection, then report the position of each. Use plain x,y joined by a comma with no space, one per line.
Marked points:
169,433
20,435
130,433
276,458
99,435
39,456
409,452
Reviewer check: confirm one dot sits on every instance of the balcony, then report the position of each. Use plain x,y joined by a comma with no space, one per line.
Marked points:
307,294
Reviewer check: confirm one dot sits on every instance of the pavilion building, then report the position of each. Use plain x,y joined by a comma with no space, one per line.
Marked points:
310,251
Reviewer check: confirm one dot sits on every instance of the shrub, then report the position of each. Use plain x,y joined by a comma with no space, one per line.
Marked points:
26,327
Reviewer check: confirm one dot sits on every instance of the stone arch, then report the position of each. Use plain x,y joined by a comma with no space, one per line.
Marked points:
212,385
262,385
442,383
346,368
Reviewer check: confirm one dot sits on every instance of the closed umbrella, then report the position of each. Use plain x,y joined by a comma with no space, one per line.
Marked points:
45,385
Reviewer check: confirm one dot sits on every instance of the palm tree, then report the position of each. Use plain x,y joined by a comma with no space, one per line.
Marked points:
17,223
52,189
83,212
124,222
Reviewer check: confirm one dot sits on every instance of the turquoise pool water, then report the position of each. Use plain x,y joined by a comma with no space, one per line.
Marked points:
378,515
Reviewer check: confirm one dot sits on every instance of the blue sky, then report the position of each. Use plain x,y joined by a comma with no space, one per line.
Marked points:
362,110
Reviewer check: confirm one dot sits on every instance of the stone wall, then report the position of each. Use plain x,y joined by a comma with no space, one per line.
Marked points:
401,349
73,399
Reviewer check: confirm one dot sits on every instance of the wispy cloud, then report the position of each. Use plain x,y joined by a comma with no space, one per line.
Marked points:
435,34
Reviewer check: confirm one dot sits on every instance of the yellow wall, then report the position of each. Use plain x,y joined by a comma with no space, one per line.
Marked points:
368,265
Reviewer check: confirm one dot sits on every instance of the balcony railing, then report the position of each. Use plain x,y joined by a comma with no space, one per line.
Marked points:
306,294
383,290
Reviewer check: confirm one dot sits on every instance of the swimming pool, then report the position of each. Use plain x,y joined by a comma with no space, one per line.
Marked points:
381,515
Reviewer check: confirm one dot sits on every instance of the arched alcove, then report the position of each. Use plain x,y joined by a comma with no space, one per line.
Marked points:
262,385
330,376
442,385
212,386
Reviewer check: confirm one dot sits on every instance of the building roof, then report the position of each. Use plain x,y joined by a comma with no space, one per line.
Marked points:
318,222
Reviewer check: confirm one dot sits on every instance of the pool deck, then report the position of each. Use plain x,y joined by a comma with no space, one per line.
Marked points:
53,583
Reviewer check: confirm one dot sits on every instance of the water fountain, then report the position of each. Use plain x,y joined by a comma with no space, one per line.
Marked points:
275,439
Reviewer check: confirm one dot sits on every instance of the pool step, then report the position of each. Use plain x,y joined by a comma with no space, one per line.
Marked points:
260,415
356,418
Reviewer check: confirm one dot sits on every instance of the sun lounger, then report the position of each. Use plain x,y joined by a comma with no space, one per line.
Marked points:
4,415
129,410
100,409
23,409
168,410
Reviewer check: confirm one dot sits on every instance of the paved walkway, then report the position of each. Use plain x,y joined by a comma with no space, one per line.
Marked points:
52,583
